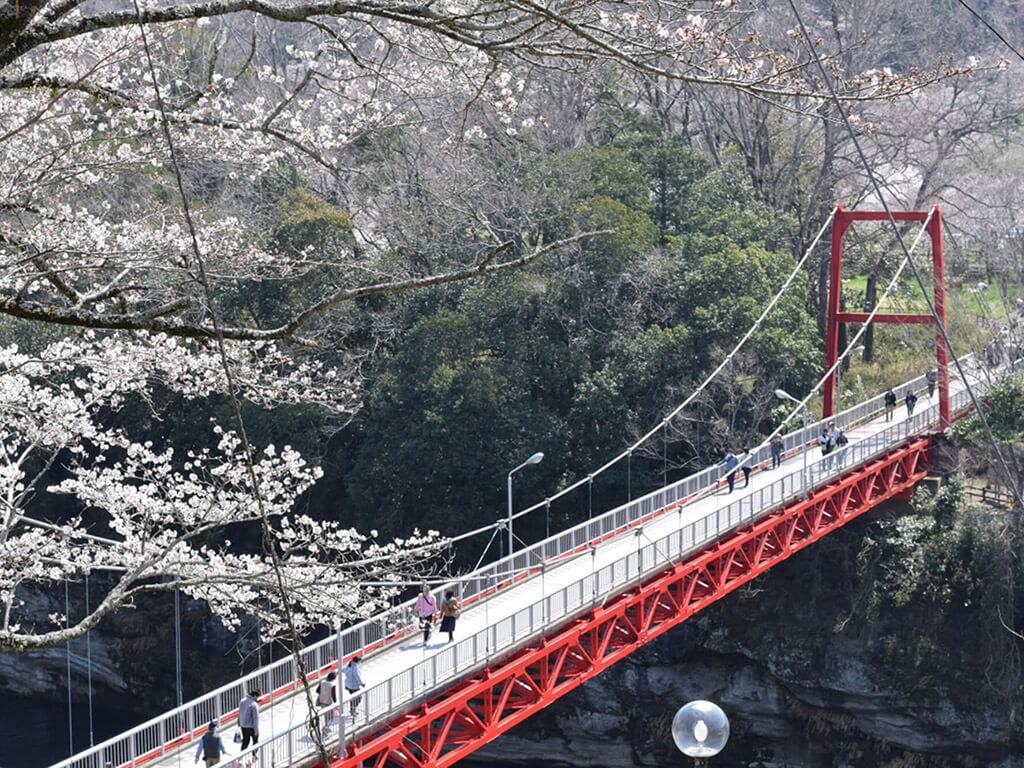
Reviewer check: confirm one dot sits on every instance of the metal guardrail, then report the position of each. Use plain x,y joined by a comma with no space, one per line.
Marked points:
992,496
183,725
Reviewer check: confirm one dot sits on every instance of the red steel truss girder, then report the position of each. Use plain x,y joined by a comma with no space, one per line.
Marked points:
443,730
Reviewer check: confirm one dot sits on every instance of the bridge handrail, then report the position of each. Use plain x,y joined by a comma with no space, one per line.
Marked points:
382,698
182,724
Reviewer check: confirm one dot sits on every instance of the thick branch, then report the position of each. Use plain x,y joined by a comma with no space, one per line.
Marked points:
154,320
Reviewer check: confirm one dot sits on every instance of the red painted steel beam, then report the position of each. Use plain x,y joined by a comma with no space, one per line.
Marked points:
883,317
457,721
840,223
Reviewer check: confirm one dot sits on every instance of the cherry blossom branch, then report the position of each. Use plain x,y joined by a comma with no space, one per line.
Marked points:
153,319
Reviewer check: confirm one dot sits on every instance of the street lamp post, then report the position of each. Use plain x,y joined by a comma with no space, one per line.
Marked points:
700,730
535,459
784,395
839,374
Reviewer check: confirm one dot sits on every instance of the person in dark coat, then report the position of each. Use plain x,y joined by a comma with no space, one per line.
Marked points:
449,613
890,404
747,464
911,401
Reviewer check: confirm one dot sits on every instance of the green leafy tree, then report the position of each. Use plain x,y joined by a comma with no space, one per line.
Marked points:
447,419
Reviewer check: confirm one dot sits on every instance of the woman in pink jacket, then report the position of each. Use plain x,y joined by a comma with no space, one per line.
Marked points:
426,607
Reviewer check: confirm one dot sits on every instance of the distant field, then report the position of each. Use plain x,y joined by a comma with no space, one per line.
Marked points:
961,296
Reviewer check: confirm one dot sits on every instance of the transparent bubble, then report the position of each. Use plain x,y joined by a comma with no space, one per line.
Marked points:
700,729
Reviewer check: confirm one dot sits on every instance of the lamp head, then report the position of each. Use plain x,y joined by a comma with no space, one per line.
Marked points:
537,458
700,729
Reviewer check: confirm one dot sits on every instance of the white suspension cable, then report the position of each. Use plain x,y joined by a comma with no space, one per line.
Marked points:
661,425
704,384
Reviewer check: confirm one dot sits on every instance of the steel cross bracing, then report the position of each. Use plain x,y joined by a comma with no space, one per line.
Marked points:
481,707
511,604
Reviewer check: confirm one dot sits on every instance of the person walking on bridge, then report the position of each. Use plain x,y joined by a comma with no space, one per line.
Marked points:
825,441
327,696
249,718
890,404
729,462
426,607
353,682
838,439
911,401
776,451
449,613
747,465
210,746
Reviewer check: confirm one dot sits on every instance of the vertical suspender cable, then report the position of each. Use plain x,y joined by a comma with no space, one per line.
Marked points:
88,662
177,643
665,453
67,653
629,475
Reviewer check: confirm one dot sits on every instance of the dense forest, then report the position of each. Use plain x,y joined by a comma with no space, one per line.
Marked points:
286,293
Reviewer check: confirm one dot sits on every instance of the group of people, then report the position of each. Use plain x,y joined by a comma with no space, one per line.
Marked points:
426,610
734,463
327,692
744,462
831,438
211,746
909,397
